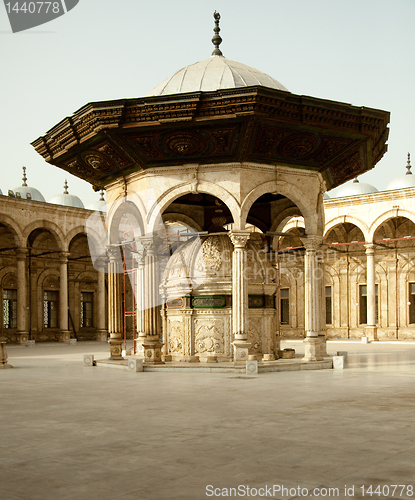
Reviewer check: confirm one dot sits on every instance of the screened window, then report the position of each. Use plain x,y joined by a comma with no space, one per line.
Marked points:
363,304
86,309
411,302
50,309
328,305
10,308
285,306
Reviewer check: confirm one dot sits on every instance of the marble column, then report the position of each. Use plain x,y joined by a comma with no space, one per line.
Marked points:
313,298
152,319
371,329
22,335
115,310
239,296
102,332
140,304
64,334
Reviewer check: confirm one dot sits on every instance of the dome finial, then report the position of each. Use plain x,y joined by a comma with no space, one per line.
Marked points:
408,165
65,187
102,195
216,40
24,178
355,180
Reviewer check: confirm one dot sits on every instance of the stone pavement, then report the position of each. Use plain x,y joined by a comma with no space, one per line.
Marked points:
78,433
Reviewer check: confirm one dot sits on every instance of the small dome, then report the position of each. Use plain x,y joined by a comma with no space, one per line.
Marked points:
326,196
99,205
212,74
24,190
66,199
403,181
355,188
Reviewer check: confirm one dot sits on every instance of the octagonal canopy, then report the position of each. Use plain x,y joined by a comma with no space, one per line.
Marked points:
214,73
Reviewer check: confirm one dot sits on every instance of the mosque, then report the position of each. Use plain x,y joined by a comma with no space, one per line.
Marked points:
238,167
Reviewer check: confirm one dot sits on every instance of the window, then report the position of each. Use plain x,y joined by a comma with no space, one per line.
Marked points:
285,306
363,304
86,309
50,309
328,305
10,308
411,302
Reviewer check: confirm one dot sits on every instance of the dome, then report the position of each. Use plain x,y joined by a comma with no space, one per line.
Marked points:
326,196
214,73
204,265
403,181
99,205
24,190
355,188
66,199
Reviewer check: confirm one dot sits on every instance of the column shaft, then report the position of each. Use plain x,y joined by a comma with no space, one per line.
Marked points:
239,296
371,292
115,310
63,298
100,312
21,296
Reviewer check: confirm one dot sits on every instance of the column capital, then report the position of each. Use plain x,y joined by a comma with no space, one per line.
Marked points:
21,253
239,238
370,248
63,257
113,252
312,242
151,243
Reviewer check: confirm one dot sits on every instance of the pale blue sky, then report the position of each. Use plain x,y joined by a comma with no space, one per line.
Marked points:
360,52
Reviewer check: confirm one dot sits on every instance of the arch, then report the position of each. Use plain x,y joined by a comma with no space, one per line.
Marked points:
6,271
341,219
124,208
15,228
53,228
390,214
184,219
203,187
313,219
45,274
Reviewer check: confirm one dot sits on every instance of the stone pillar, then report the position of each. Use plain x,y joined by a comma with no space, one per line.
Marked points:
313,299
152,319
140,304
321,253
21,296
115,311
102,332
239,296
371,329
64,334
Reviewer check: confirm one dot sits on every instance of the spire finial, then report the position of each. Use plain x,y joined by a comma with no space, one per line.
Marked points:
65,187
24,178
408,165
102,195
216,40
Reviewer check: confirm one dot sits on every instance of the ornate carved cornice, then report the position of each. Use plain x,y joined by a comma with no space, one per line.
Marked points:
106,140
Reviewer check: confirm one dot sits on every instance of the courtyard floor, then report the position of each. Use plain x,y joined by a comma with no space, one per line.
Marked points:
70,432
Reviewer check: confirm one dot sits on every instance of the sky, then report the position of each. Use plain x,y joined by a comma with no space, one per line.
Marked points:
360,52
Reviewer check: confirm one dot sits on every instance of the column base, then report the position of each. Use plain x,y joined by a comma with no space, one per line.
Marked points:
139,349
152,350
64,336
102,335
240,351
371,333
323,346
22,338
115,349
312,349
